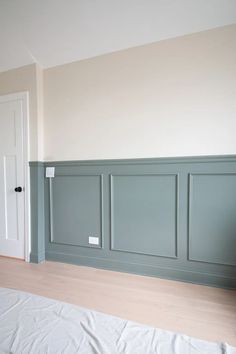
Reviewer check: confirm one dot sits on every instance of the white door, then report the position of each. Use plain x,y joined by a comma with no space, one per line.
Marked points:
12,204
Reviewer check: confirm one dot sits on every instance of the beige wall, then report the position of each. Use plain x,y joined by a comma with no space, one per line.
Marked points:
40,112
175,97
172,98
27,78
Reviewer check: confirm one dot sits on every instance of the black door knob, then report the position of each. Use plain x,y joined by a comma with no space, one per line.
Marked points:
18,189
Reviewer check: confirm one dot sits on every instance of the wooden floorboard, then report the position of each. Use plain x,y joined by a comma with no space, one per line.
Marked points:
200,311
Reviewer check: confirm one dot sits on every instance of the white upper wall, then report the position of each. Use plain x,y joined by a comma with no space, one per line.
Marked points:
54,32
172,98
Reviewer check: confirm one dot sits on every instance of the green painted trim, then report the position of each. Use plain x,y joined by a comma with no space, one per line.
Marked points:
144,269
112,247
144,161
37,213
36,163
37,258
190,202
51,203
180,268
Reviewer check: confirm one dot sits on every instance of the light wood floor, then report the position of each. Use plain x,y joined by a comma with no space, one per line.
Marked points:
199,311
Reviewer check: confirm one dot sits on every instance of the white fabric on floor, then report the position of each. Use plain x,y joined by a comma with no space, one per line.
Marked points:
34,324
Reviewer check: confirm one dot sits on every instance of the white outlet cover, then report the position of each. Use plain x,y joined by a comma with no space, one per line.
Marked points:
93,240
50,172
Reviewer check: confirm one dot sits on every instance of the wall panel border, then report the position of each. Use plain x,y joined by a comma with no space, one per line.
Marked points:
112,216
191,177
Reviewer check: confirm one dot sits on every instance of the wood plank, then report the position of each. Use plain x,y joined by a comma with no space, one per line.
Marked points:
199,311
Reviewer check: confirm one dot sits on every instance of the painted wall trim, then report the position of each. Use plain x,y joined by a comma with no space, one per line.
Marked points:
37,254
157,237
144,269
176,177
152,160
36,163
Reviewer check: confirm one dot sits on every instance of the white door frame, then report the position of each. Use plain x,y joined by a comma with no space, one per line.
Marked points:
24,98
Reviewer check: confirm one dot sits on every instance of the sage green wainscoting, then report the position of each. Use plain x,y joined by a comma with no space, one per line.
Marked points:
37,212
168,217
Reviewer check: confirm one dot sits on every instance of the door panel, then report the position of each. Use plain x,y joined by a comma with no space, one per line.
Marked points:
9,163
11,176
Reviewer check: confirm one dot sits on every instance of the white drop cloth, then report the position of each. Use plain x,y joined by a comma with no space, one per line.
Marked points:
34,324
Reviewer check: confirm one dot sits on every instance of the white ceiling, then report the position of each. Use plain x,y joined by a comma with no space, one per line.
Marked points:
54,32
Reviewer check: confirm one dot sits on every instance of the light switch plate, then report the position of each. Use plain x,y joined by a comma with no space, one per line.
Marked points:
93,240
50,172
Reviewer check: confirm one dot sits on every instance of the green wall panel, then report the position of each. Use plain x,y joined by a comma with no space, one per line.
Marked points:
76,209
144,214
167,217
212,218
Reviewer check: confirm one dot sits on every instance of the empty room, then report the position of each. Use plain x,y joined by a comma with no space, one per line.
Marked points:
118,176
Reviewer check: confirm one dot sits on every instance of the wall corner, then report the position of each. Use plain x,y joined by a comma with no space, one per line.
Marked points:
37,254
